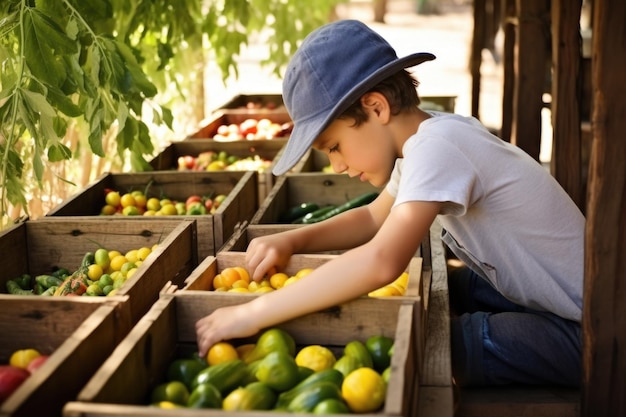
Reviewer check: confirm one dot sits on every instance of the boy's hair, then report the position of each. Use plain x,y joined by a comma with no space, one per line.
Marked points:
400,89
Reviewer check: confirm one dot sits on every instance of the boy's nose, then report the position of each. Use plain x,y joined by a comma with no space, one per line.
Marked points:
338,165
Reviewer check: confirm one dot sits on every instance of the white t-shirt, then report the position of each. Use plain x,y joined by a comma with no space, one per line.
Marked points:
504,215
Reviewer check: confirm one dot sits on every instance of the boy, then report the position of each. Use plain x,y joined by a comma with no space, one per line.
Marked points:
519,302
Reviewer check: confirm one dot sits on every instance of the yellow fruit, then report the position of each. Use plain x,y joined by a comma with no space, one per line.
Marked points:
143,253
403,280
386,291
229,276
244,350
240,284
117,262
94,272
22,357
127,200
316,357
246,290
243,273
131,255
108,210
113,254
168,210
364,390
112,198
290,280
131,272
277,281
304,272
102,257
221,352
153,204
262,290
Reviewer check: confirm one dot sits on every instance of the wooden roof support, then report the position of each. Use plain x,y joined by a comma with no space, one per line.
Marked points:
604,311
566,98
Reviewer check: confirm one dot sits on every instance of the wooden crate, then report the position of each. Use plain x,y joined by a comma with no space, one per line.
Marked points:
241,188
167,160
38,246
122,384
208,128
322,189
78,334
440,103
201,278
264,102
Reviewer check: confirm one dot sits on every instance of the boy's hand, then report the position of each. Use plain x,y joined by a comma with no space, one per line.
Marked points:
267,254
224,324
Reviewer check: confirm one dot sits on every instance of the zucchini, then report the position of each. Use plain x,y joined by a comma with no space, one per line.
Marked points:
224,376
298,211
308,398
361,200
47,281
313,215
15,289
328,375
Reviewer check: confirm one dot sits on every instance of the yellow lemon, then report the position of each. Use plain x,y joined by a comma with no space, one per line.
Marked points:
117,262
277,280
22,357
304,272
221,352
316,357
364,390
94,272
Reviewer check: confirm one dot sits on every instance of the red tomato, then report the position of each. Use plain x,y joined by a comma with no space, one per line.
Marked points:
11,377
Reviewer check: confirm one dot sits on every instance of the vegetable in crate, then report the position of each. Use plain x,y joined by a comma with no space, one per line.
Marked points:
328,212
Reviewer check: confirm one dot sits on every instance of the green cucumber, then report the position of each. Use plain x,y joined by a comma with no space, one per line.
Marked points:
47,281
313,215
298,211
361,200
308,398
328,375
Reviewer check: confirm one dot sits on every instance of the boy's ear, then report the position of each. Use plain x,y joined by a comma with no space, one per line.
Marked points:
377,104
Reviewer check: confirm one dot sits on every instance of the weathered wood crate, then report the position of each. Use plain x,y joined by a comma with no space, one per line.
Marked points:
77,333
269,150
241,188
38,246
294,189
122,385
265,102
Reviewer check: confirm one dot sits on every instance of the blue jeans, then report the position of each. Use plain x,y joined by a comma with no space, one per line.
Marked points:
497,342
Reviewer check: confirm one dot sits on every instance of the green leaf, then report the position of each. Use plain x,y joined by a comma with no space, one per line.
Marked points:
63,103
59,152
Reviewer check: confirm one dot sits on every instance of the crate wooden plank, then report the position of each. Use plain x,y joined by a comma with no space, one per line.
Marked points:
265,102
297,188
142,357
78,334
47,243
240,187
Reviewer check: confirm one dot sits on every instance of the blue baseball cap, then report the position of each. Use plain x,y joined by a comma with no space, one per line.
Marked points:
335,65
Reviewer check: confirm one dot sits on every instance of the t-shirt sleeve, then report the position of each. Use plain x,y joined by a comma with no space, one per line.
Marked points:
435,169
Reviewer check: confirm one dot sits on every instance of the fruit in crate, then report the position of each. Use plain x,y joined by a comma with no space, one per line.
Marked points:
137,203
22,364
222,161
252,129
271,378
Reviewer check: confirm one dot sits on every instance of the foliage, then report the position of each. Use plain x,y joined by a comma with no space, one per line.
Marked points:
100,65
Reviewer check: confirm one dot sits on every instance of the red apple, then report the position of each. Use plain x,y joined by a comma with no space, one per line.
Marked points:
191,200
36,363
208,204
11,377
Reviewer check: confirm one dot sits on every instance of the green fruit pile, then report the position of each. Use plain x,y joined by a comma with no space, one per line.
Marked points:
272,374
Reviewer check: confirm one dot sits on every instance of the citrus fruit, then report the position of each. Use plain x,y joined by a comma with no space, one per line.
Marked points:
229,276
108,210
244,350
218,282
331,406
386,291
132,256
101,257
290,280
94,272
172,391
117,262
240,283
304,272
127,200
168,210
243,273
379,347
277,280
153,204
316,357
22,357
221,352
143,253
364,390
112,198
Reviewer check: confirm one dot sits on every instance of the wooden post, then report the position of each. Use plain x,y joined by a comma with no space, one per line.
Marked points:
604,311
566,97
509,24
532,54
478,42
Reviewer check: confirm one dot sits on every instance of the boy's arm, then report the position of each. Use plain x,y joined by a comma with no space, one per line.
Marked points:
344,231
350,275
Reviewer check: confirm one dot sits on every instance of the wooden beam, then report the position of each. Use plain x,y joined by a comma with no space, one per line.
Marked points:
566,98
532,55
604,311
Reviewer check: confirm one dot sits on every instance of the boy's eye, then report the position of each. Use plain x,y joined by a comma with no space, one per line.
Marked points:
333,149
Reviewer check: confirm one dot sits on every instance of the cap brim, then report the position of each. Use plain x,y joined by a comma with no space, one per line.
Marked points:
304,133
